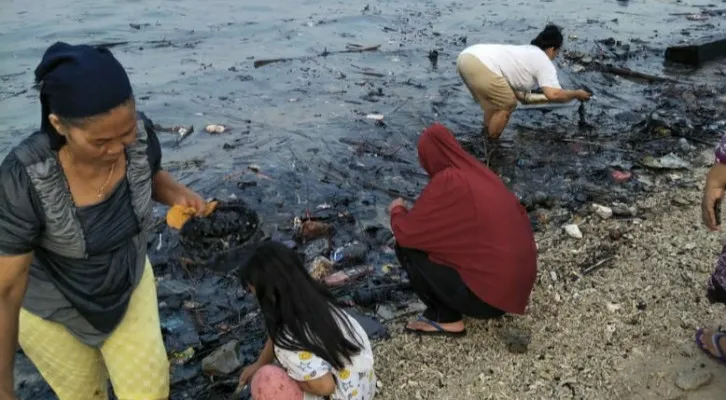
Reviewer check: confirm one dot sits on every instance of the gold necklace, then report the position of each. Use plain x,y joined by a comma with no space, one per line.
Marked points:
99,191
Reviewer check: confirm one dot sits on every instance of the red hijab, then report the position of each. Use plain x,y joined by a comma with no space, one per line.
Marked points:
467,219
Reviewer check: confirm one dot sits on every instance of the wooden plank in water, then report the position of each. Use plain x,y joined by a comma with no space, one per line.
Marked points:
697,52
547,106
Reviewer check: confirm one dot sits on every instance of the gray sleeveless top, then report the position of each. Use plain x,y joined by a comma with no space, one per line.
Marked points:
87,260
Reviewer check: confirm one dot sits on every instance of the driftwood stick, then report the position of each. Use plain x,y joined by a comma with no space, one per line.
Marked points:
629,73
597,265
325,53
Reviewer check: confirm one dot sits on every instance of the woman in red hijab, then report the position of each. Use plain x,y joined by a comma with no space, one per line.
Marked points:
466,244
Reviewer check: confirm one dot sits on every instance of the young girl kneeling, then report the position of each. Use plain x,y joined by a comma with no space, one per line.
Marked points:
324,352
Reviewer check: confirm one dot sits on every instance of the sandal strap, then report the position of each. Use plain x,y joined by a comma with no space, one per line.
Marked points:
432,323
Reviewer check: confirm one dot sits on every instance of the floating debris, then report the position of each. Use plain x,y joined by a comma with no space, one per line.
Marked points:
215,128
375,117
183,132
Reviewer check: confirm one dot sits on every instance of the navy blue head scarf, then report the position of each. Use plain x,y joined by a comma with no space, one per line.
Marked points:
79,81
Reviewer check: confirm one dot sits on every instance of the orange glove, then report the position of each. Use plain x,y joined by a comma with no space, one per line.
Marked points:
179,215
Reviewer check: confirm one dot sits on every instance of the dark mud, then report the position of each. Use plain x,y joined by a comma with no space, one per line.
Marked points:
298,141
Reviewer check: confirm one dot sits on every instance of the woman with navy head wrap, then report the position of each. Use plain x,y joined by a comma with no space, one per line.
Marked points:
76,288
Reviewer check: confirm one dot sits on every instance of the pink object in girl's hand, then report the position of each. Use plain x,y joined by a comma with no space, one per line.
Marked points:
273,383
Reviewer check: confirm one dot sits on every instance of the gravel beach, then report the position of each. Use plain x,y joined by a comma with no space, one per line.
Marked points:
623,331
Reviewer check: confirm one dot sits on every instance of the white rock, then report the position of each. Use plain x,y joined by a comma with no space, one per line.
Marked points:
603,211
612,307
692,380
573,230
553,275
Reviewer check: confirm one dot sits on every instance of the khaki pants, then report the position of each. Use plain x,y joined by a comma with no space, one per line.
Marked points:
490,90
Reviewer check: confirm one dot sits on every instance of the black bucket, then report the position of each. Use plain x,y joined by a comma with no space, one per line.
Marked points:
222,241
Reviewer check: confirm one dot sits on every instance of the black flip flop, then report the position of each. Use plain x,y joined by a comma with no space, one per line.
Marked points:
438,332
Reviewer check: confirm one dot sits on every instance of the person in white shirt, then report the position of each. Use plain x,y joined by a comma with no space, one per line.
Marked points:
498,75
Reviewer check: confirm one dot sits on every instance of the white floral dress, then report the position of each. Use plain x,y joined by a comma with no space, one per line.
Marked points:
357,381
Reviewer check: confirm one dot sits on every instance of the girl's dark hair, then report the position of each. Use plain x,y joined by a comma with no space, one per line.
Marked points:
551,36
300,314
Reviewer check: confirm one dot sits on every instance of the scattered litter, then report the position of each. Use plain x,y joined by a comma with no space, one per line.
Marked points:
316,248
320,268
375,117
624,210
181,358
573,231
343,277
517,340
602,211
684,145
387,268
612,307
622,176
697,17
350,254
222,361
310,230
669,161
